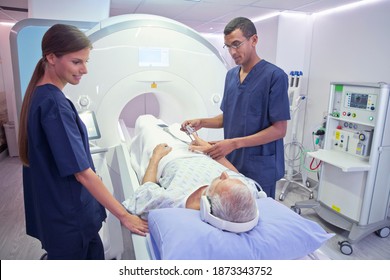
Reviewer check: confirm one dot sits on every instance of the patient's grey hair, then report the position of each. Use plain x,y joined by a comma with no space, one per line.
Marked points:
236,205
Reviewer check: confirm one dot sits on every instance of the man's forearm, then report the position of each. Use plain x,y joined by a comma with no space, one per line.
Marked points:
227,164
151,171
215,122
272,133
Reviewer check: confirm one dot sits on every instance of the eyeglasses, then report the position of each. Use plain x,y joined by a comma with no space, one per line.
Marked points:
235,45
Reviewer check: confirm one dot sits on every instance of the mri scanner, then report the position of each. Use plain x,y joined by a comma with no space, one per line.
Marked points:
175,68
139,64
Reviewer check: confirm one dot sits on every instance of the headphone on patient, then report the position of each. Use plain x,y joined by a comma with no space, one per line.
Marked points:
207,216
260,192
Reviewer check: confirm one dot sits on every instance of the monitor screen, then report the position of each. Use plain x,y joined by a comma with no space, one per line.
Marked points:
89,119
358,100
157,57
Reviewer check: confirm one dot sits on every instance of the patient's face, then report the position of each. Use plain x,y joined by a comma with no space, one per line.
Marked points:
222,183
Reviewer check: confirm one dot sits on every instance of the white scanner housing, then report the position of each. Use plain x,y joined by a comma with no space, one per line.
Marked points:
168,62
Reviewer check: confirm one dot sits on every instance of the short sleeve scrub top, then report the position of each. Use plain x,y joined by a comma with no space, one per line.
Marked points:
251,106
60,211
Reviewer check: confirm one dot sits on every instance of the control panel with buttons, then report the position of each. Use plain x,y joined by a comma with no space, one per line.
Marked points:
358,104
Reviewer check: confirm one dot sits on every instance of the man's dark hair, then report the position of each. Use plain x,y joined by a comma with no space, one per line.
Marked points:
244,24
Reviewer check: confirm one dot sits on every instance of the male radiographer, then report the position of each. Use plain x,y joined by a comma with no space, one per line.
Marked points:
255,110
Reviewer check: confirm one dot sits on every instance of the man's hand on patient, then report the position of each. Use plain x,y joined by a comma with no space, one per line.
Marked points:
221,148
203,146
135,224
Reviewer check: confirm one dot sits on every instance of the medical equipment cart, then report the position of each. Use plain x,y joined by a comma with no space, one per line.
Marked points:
354,184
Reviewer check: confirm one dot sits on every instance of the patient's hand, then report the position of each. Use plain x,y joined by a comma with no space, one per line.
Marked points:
199,144
161,150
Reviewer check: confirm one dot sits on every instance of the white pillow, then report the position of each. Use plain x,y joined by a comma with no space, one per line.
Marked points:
178,233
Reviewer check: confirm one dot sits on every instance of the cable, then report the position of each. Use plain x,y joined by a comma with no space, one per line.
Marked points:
303,159
291,161
311,164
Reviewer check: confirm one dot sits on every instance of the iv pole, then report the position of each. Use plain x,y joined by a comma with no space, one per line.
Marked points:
295,103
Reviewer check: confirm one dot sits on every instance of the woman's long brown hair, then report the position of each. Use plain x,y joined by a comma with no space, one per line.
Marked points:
59,40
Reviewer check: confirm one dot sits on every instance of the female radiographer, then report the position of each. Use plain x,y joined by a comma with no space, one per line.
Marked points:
64,198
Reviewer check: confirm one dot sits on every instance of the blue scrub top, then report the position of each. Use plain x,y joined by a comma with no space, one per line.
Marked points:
60,211
251,106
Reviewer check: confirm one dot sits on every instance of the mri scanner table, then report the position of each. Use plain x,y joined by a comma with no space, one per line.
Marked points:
110,233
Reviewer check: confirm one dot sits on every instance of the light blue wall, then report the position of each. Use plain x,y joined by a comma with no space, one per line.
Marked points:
25,41
29,50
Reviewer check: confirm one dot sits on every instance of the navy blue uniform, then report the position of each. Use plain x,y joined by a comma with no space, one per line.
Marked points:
249,107
60,212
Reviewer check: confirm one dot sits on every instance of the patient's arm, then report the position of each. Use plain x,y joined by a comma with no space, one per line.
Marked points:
159,152
201,145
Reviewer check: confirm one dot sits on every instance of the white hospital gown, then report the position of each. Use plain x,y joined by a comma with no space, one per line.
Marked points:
178,180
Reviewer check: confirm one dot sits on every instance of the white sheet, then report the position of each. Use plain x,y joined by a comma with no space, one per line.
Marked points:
147,135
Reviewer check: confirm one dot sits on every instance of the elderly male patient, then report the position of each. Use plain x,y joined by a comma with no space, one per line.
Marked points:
173,176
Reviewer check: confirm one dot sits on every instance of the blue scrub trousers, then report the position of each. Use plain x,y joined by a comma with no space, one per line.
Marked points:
93,250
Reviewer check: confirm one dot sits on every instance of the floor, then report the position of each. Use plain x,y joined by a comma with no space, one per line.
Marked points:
16,245
372,247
